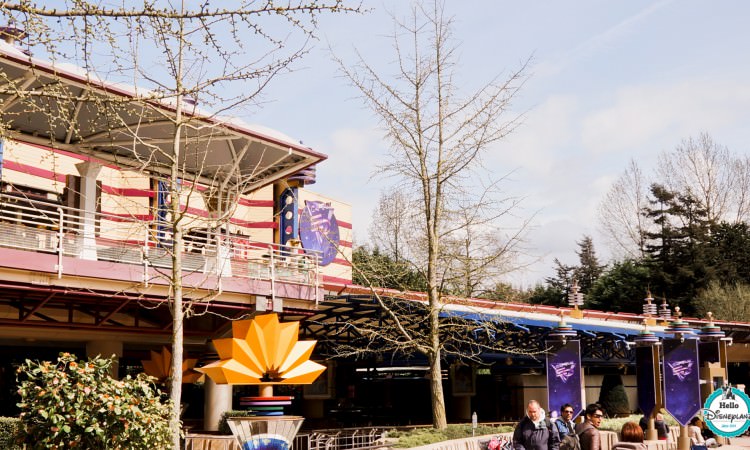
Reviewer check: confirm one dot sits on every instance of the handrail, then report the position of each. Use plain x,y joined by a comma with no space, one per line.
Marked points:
48,227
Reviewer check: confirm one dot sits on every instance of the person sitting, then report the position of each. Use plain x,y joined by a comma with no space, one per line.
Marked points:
695,431
662,430
631,438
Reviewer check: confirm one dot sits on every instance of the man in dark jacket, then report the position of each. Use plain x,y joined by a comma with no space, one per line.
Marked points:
535,431
588,431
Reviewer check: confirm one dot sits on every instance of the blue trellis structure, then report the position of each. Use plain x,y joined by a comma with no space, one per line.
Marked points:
600,343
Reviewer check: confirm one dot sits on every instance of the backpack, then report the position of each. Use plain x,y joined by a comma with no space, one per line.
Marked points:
568,441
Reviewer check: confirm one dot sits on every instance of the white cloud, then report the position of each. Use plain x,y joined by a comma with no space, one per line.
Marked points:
546,129
644,116
346,175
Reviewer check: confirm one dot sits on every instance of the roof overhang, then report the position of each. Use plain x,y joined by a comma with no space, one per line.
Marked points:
63,107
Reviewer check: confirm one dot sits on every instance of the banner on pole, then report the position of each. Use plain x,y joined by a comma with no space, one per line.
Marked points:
646,375
564,375
682,394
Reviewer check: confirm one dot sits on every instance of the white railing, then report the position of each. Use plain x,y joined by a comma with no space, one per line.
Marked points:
50,228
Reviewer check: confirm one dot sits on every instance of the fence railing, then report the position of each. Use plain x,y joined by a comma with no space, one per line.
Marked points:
344,439
35,225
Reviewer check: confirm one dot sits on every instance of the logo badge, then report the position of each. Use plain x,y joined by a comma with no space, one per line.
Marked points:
727,411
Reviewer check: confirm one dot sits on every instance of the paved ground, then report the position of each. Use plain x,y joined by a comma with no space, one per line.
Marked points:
737,443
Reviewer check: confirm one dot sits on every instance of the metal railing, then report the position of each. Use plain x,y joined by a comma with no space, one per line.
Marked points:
46,227
344,439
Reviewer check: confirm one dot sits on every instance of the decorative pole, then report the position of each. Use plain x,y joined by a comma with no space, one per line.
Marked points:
682,395
564,373
650,309
712,354
648,374
575,299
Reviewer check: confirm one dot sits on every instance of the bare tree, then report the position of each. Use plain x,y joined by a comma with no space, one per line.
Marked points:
392,226
437,140
708,172
698,167
621,213
174,59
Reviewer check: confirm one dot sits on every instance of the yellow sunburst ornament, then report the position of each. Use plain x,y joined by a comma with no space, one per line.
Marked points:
263,351
160,367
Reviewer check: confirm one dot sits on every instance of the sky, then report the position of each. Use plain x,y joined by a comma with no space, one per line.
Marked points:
608,82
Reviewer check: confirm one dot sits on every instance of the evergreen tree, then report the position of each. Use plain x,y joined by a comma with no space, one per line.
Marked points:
678,252
730,252
622,287
555,291
375,268
589,269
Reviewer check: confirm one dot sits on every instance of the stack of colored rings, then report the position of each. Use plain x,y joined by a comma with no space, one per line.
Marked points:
266,406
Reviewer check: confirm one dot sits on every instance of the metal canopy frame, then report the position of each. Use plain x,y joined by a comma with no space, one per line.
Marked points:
330,326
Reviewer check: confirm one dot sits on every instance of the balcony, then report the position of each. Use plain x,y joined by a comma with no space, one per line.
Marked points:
65,238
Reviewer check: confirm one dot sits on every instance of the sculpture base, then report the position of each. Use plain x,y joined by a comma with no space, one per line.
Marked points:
265,433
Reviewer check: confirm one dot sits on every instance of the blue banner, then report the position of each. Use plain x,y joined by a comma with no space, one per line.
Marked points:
564,376
682,393
646,378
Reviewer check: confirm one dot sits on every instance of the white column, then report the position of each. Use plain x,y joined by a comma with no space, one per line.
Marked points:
106,349
218,400
88,171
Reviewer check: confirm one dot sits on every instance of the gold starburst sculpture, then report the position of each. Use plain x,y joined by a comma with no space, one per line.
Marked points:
160,367
263,351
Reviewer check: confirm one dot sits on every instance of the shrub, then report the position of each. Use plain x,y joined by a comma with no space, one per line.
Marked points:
76,404
224,426
9,427
613,397
424,436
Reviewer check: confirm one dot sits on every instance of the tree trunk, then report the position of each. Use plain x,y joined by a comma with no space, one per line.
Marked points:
439,419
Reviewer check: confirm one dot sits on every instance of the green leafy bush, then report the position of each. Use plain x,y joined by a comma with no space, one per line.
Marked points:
224,426
9,427
76,404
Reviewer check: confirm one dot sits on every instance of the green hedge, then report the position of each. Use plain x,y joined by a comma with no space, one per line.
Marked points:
224,426
9,427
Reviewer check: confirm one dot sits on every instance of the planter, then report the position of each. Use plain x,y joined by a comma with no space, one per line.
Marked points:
265,433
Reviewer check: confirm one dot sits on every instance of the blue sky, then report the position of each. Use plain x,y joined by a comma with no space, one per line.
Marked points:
610,81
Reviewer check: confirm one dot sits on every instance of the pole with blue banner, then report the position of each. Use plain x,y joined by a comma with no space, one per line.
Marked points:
648,377
682,394
564,374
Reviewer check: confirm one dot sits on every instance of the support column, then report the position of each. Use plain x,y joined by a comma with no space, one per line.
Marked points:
106,349
218,400
88,171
